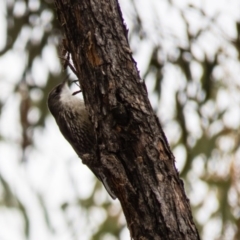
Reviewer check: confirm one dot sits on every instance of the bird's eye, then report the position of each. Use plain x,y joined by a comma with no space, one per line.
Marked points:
57,90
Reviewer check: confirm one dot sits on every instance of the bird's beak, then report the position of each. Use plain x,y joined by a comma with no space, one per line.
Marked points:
76,82
74,93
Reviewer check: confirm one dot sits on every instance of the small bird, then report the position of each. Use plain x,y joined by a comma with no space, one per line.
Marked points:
73,121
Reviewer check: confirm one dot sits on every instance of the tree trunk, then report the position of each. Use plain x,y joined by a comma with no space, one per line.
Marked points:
133,151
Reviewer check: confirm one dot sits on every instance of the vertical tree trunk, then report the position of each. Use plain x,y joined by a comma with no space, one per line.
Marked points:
133,151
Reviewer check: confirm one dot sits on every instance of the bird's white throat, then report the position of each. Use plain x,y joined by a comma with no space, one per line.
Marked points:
66,98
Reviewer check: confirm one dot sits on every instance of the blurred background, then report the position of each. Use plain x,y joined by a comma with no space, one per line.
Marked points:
187,52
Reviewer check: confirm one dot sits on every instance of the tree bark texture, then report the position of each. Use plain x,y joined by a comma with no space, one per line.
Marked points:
133,152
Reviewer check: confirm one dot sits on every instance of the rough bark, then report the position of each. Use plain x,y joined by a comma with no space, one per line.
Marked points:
133,151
